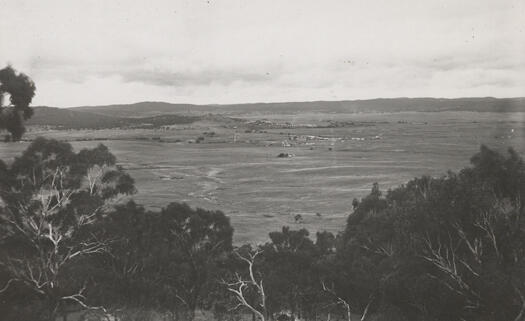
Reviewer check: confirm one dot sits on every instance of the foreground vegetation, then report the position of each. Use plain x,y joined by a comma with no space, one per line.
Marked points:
72,239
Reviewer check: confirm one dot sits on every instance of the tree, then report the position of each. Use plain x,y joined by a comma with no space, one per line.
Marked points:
293,266
52,200
338,300
21,90
130,273
248,291
198,242
448,248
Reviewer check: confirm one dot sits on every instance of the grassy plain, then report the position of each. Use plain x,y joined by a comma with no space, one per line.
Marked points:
236,170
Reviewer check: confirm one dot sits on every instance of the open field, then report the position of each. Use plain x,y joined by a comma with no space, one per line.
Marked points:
235,167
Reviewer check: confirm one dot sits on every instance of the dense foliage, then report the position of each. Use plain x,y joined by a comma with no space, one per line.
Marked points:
446,248
449,248
13,113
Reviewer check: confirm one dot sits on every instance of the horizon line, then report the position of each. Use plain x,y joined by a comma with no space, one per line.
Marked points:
286,102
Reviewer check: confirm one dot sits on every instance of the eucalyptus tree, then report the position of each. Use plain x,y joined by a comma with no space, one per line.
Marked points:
51,201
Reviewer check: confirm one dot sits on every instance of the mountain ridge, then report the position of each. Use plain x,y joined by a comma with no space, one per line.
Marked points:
482,104
164,113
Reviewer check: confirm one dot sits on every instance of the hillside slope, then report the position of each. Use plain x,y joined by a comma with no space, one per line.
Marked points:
75,119
147,114
487,104
68,118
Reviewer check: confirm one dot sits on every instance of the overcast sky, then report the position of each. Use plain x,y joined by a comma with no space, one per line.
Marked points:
222,51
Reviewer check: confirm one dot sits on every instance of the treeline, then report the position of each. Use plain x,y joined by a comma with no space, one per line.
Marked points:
71,239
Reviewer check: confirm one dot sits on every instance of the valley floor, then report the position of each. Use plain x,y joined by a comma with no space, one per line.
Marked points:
235,169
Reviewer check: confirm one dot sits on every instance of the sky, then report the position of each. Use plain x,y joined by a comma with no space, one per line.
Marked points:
91,52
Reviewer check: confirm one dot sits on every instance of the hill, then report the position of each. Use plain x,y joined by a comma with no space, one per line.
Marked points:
68,118
75,119
487,104
142,109
155,114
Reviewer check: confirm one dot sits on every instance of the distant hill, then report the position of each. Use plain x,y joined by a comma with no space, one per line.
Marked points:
75,119
144,109
154,114
69,118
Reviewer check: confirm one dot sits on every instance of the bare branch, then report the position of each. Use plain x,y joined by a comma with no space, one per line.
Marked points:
80,299
339,300
443,256
239,287
2,290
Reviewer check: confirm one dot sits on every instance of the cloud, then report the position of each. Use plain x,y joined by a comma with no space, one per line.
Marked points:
233,50
202,77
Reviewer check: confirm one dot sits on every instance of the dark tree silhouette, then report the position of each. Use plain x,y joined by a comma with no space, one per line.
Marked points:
21,90
51,201
198,241
448,248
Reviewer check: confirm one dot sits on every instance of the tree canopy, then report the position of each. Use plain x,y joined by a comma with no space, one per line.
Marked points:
455,241
21,91
52,199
